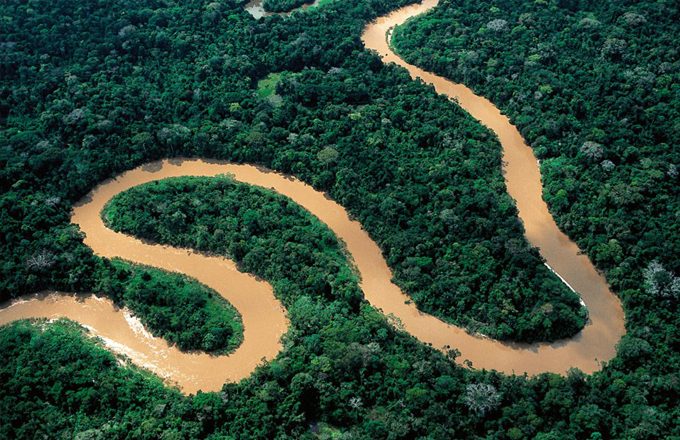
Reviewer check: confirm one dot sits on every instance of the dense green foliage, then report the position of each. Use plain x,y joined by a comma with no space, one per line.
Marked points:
68,386
283,5
265,233
432,197
91,89
175,307
349,368
594,88
423,179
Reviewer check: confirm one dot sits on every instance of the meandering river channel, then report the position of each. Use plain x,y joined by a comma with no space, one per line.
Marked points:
263,316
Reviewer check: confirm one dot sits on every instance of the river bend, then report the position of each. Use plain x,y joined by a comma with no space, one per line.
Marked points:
263,316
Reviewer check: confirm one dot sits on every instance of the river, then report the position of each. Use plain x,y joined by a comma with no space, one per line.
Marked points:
597,341
263,316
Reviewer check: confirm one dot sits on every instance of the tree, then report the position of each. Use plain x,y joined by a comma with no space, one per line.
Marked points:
327,156
41,260
660,282
592,150
482,398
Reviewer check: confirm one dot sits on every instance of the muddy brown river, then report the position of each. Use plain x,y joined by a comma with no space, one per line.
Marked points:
263,316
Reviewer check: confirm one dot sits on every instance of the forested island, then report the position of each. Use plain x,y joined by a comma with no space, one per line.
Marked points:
93,89
264,232
174,307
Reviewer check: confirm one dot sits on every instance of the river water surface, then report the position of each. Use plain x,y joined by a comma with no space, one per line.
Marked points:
263,316
523,179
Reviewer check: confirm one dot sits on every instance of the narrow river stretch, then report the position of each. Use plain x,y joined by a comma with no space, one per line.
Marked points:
263,316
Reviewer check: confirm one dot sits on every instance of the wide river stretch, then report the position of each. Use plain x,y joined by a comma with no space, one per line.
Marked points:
264,317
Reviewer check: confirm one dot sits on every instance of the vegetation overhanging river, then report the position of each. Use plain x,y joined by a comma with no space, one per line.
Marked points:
263,316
